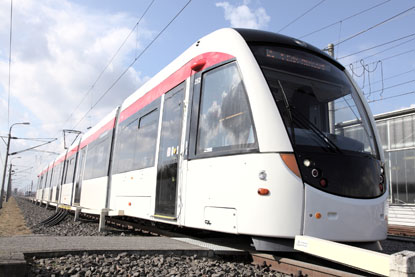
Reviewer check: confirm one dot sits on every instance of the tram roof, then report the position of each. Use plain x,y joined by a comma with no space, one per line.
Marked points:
257,36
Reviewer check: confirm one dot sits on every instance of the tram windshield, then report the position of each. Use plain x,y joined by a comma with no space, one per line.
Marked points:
319,105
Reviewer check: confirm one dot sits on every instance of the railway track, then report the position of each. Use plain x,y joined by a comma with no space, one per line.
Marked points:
293,264
301,266
290,264
400,230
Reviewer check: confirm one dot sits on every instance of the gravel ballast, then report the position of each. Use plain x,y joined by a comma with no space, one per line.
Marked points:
125,264
35,214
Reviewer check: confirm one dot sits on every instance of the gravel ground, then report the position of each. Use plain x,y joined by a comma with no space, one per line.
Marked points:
122,264
34,214
393,246
134,265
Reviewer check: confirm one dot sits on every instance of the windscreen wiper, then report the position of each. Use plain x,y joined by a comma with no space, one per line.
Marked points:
310,125
288,107
305,123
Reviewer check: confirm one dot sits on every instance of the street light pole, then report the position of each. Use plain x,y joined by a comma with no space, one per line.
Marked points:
9,186
5,160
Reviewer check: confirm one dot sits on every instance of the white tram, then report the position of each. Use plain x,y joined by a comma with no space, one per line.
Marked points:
247,132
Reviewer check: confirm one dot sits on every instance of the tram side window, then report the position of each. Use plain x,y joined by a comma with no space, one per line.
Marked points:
51,172
46,179
225,121
58,171
97,157
70,169
42,178
54,172
136,143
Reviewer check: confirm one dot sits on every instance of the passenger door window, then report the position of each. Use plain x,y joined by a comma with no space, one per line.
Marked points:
168,159
80,173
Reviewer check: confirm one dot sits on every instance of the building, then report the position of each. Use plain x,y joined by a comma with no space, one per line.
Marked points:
397,133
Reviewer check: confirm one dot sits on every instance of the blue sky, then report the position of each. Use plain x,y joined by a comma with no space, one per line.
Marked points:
60,47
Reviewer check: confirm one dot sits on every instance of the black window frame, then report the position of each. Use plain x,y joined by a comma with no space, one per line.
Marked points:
70,169
135,119
59,177
105,141
46,179
194,113
42,181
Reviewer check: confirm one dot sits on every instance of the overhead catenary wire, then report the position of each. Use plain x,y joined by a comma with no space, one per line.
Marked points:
365,66
374,26
32,139
393,86
394,76
44,151
383,59
10,62
300,16
111,60
376,46
344,19
383,51
392,96
133,62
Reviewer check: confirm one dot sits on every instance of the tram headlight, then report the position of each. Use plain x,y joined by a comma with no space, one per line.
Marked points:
382,179
315,172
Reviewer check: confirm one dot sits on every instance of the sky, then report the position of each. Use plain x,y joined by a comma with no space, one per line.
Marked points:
65,55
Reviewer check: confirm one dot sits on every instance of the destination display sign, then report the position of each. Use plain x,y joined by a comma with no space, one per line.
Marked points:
296,60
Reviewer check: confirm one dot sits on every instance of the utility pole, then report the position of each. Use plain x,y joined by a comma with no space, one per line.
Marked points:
6,159
9,186
5,168
330,49
332,119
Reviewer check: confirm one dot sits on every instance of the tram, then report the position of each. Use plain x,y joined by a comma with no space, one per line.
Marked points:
247,132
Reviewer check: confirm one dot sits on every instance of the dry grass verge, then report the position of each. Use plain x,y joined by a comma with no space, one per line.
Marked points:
12,222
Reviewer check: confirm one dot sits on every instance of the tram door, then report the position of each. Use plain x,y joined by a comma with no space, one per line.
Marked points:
168,157
79,176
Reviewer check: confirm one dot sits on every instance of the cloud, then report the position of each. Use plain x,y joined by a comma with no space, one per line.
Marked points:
243,17
59,49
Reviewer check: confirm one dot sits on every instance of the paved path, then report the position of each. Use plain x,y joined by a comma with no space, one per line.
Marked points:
14,249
